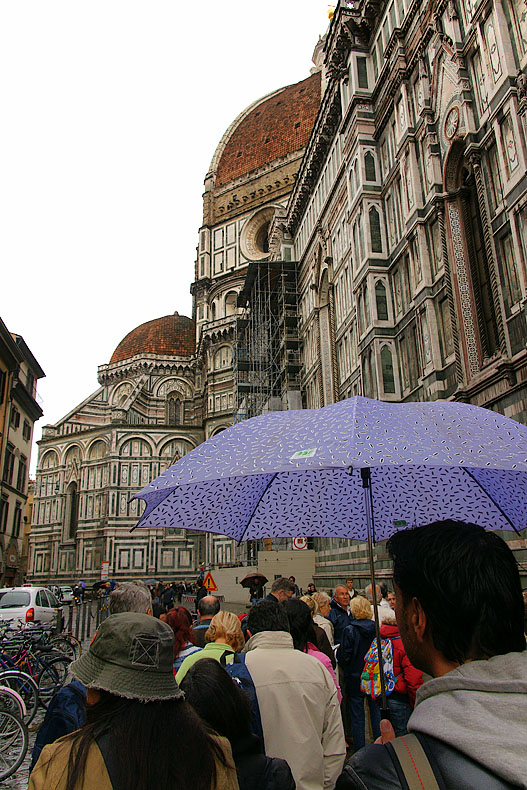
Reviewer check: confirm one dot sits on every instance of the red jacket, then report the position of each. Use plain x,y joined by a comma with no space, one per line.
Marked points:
409,678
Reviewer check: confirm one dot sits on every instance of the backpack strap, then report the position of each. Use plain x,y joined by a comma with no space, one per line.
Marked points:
104,743
224,656
414,763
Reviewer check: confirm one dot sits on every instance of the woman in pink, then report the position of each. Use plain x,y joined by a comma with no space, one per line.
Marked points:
401,701
301,629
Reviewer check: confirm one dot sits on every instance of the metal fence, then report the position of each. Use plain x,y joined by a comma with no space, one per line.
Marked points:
82,620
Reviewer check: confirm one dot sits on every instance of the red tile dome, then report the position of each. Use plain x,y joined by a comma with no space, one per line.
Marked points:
271,128
171,335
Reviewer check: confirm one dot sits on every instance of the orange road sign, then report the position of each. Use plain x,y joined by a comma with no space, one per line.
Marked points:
209,583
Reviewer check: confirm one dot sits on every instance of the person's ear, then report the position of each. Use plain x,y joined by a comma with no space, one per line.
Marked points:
418,619
149,611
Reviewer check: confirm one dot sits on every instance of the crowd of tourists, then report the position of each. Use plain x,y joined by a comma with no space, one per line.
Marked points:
283,696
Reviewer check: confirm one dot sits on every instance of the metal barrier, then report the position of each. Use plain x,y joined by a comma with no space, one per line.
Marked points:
83,619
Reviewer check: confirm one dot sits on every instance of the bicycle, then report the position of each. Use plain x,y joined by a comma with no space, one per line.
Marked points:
49,673
13,741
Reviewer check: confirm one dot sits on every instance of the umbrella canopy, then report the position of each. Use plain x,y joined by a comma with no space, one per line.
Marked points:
299,472
253,578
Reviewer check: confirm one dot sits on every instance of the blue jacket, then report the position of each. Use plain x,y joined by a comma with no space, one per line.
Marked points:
340,619
354,644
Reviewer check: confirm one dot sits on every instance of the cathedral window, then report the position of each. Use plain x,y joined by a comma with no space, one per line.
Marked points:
478,75
494,170
174,411
512,288
388,380
230,303
436,252
369,375
381,301
375,63
223,358
362,73
510,153
375,230
369,167
72,511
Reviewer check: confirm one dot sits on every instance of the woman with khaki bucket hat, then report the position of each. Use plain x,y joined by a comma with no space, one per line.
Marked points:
140,732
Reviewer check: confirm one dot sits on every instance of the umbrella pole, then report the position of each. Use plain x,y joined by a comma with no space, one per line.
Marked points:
366,484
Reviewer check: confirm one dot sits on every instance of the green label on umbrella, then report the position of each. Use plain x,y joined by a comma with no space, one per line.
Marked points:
399,523
304,454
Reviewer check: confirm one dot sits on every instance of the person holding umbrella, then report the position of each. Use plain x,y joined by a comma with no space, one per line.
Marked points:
460,613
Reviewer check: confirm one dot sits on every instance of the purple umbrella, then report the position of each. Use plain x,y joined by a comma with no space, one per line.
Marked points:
302,473
358,469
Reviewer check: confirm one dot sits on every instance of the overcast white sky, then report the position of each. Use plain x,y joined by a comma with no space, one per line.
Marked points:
111,112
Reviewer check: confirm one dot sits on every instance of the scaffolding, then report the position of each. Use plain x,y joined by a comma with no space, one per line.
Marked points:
266,362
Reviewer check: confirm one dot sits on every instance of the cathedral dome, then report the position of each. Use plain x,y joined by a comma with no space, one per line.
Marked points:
271,128
171,335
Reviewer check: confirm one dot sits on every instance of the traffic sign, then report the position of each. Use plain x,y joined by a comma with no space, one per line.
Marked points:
300,543
209,583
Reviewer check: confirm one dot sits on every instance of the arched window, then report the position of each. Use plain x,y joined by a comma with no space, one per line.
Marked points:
223,358
213,311
97,450
230,303
369,167
381,301
388,380
375,230
174,410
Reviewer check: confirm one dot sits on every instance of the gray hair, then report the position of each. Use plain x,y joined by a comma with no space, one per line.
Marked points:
321,598
282,584
208,606
369,595
131,597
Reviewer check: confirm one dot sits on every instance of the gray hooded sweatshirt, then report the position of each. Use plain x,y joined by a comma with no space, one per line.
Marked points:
480,708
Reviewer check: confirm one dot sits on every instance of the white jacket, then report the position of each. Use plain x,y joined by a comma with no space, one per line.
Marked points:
299,709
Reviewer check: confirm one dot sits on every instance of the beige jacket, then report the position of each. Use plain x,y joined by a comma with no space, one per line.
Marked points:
299,708
51,770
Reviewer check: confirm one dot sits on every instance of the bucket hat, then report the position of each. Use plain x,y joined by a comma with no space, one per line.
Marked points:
132,656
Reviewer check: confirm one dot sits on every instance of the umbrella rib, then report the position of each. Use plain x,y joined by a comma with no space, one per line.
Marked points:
256,506
505,516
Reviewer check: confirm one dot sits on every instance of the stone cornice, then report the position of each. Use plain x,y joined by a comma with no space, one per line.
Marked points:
151,364
323,134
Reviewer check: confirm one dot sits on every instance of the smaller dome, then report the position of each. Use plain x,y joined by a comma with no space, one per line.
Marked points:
171,335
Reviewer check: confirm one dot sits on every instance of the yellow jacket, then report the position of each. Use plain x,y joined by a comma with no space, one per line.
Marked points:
51,770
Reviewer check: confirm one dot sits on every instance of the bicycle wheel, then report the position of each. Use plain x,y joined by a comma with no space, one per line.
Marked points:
68,646
13,744
12,702
51,678
24,685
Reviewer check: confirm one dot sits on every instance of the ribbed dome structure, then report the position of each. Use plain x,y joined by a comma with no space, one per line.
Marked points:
171,335
273,127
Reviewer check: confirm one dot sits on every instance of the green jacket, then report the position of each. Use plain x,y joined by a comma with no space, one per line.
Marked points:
211,650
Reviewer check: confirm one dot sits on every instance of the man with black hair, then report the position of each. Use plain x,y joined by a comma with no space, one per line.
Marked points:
297,698
460,614
208,606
